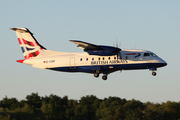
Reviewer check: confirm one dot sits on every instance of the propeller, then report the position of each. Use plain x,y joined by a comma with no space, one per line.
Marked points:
118,51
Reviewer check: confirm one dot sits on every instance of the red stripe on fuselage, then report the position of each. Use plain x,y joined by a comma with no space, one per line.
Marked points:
130,54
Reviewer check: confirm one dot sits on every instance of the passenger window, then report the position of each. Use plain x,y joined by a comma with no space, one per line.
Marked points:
146,54
109,58
99,58
103,58
114,57
92,58
86,59
81,59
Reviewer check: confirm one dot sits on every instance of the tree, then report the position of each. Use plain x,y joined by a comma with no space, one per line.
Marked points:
133,109
86,108
47,109
34,100
10,103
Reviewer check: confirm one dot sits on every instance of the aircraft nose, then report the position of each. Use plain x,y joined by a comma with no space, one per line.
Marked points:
163,63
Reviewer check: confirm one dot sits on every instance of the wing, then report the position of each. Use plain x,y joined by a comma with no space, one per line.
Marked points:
96,49
85,45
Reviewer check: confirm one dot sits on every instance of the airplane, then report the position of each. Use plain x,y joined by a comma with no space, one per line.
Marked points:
95,59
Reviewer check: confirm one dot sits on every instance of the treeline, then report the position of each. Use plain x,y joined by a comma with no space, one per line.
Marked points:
53,107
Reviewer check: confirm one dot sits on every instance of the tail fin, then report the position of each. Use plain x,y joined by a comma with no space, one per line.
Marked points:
29,45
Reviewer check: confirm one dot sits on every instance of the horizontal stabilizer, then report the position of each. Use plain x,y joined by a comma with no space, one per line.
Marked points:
20,61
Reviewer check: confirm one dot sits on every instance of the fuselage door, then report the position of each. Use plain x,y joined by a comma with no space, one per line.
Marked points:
72,63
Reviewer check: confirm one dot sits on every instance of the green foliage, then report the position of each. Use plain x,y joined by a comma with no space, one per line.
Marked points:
10,103
34,100
89,107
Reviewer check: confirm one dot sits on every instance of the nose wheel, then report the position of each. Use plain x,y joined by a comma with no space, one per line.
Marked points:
154,73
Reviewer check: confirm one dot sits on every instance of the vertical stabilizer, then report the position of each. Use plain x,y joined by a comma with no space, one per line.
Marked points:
29,45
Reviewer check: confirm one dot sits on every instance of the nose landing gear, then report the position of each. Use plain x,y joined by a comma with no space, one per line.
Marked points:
153,69
154,73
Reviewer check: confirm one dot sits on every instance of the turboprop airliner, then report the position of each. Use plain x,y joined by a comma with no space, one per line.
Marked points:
95,59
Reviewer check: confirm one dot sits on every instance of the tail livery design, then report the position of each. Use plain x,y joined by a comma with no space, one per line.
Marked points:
30,47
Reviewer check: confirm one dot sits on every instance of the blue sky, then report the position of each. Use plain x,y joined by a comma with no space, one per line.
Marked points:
150,25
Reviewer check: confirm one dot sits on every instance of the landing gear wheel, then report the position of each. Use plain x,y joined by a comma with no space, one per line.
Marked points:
104,77
154,73
96,75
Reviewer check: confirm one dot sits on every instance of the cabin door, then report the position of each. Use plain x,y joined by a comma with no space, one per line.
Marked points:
72,63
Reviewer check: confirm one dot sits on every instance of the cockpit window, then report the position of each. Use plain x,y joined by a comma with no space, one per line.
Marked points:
152,54
146,54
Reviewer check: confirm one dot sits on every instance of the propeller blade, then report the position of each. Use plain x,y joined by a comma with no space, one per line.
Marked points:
116,44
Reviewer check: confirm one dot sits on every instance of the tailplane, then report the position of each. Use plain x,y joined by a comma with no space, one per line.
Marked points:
29,45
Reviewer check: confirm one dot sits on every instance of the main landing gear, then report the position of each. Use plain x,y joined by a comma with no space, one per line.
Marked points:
96,74
104,77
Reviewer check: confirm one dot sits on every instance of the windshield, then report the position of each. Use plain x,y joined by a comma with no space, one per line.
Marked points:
152,54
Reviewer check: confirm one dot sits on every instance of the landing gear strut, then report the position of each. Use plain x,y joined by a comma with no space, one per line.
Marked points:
96,74
154,73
